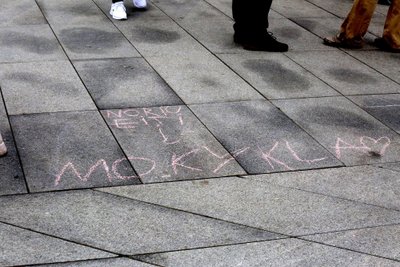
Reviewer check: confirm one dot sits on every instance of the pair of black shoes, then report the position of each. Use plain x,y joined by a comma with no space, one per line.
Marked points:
262,42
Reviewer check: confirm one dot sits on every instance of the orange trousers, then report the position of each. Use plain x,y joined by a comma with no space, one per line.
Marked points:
356,24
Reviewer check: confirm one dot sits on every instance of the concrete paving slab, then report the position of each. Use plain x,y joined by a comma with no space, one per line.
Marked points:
330,27
22,247
339,8
344,73
120,262
39,87
379,60
262,205
385,108
125,83
169,143
101,40
188,9
288,252
365,184
29,43
298,38
202,79
69,150
379,241
21,12
272,142
215,33
121,225
299,8
276,76
160,37
12,179
351,134
395,166
72,12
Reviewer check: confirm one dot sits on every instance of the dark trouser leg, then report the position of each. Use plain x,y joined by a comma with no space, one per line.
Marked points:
114,1
251,17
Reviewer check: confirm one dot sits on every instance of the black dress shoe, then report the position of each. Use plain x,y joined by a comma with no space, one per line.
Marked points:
263,42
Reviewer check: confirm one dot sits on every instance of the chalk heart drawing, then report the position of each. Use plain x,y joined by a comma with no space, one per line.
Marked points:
377,145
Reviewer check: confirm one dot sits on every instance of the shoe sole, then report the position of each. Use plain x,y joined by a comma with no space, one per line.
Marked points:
119,18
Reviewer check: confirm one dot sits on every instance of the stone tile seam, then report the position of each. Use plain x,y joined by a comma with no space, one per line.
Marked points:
209,51
60,238
327,195
351,250
14,141
136,257
349,230
140,56
63,262
197,214
371,67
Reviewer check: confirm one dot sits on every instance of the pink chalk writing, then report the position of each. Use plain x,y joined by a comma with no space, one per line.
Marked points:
227,157
179,161
365,145
269,159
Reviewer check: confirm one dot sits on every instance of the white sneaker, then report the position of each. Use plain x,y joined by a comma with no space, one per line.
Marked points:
3,148
118,11
140,3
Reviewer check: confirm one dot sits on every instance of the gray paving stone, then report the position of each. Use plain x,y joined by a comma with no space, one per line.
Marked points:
72,12
69,150
380,241
202,79
299,8
20,247
215,33
276,76
354,136
169,143
390,166
288,252
366,184
262,205
43,87
329,27
344,73
21,12
125,83
121,225
101,40
298,38
384,62
188,9
119,262
29,43
272,142
11,177
159,37
338,7
385,108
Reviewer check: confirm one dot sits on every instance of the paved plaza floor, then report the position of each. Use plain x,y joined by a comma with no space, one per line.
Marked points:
157,141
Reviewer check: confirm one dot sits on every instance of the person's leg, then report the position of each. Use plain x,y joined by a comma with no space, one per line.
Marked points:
391,32
251,23
355,26
251,18
3,148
